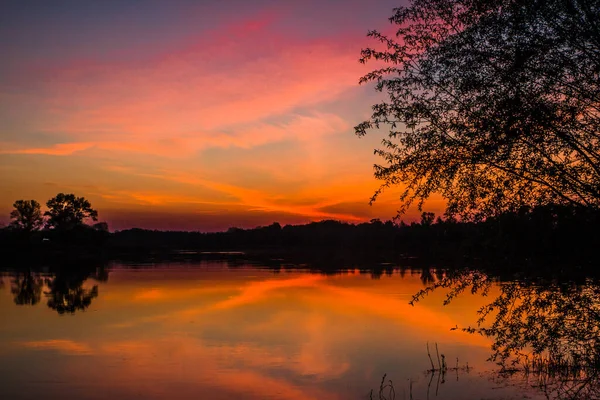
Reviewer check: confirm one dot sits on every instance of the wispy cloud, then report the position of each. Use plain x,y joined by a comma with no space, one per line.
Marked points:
301,128
248,115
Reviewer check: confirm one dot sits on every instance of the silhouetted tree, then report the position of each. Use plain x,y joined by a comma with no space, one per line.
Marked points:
65,211
492,103
101,226
27,215
427,218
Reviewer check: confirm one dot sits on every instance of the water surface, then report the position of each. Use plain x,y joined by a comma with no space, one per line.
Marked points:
210,331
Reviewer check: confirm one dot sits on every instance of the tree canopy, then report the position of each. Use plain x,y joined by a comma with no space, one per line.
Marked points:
66,211
27,215
491,103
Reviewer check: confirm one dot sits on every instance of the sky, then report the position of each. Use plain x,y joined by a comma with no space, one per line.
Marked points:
192,115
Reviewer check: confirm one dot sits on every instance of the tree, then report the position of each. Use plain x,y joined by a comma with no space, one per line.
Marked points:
427,218
491,103
65,211
27,215
101,226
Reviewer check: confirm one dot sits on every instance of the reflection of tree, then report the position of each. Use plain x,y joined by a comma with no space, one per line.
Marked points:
100,274
66,293
426,276
27,289
548,328
65,287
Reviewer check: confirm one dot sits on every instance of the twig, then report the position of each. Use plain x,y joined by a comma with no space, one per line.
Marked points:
430,359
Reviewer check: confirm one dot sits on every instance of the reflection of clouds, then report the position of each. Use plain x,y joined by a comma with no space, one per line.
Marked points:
222,370
306,317
326,295
69,347
243,295
314,357
151,295
257,291
257,335
434,322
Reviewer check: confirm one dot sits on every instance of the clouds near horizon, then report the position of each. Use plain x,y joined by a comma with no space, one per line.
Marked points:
251,112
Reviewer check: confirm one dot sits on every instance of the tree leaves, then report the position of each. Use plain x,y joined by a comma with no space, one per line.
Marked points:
66,211
491,103
27,215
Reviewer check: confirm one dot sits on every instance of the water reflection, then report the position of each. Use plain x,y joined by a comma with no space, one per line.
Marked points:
547,330
65,291
214,331
26,288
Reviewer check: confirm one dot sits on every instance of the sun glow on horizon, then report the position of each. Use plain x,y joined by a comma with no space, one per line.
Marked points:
231,121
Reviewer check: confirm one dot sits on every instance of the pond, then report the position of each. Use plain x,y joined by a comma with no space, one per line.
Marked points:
214,330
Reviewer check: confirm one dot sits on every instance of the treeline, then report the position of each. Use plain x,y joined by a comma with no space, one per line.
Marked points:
549,235
543,235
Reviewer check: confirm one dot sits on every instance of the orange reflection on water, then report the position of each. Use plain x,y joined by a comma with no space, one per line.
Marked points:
63,346
221,333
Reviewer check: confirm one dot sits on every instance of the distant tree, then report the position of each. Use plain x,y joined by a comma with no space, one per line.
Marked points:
493,104
101,226
27,215
427,218
65,211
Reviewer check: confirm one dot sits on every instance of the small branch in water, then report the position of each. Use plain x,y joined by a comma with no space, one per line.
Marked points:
430,359
383,386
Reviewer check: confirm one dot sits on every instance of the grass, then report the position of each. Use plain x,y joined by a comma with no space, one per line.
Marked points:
555,376
388,392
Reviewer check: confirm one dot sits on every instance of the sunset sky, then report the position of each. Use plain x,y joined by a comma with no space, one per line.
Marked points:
196,115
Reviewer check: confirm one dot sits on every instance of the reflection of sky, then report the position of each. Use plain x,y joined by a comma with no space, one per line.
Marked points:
230,112
216,333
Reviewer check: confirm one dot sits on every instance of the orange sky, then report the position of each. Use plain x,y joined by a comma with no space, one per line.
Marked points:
186,117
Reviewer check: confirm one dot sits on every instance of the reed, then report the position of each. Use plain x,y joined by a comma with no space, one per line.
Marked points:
388,392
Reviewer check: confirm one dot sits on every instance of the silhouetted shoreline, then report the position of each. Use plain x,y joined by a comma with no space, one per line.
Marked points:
548,239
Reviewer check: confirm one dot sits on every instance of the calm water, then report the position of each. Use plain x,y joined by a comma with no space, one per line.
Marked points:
207,331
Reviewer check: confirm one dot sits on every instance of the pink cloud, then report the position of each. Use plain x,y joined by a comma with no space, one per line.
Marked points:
61,149
188,97
238,88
